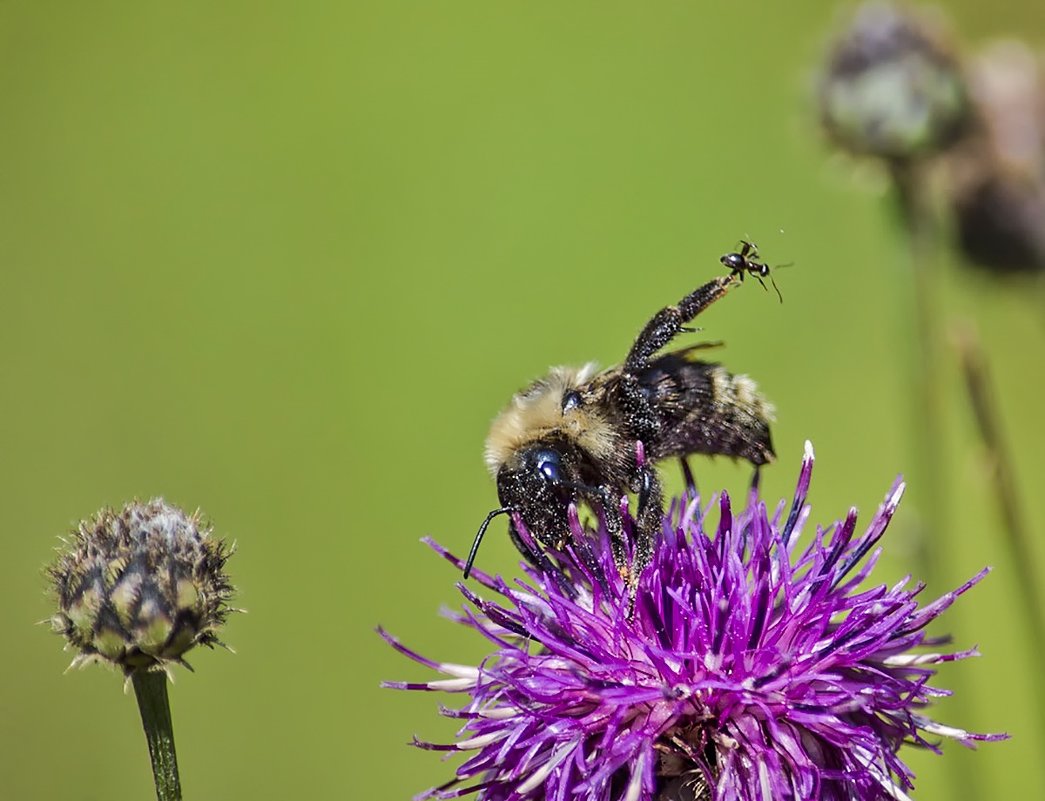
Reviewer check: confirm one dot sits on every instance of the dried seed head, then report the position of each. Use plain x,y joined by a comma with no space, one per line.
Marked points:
892,87
140,587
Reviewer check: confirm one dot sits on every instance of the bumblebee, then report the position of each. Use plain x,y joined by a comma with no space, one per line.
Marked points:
583,436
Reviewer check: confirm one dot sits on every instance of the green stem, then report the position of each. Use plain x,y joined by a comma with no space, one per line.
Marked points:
150,687
1018,537
930,464
928,467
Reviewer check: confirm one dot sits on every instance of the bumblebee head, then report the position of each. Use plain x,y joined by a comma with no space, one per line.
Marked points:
538,483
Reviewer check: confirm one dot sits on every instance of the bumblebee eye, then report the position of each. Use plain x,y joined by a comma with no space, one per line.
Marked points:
550,466
571,400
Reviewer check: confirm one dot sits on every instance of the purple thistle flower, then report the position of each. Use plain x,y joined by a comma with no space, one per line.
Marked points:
749,668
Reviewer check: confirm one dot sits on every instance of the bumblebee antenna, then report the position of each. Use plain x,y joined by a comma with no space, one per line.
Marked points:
479,536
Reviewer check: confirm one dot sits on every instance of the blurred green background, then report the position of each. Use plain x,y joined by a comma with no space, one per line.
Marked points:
284,262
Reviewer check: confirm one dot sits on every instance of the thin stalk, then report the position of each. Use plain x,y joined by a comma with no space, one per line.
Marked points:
1003,477
150,687
927,476
929,466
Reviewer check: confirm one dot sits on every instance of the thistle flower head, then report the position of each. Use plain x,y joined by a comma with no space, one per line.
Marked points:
140,587
755,664
891,86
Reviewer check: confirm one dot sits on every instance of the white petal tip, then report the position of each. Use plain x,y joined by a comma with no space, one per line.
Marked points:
894,499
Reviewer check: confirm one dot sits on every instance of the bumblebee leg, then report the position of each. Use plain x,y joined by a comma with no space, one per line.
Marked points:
643,420
532,556
669,321
615,527
648,521
756,478
540,559
687,476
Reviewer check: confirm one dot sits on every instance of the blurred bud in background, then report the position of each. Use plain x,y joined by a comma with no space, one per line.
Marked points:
997,177
892,85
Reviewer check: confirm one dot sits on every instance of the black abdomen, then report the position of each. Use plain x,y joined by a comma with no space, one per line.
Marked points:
702,408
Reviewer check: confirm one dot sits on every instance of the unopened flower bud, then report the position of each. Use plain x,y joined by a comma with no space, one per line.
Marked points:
140,587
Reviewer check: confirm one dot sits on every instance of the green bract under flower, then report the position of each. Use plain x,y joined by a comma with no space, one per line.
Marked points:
140,587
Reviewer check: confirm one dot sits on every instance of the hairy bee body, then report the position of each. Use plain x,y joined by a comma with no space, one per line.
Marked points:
579,435
704,409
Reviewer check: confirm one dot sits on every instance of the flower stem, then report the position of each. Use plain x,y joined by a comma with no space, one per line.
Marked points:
150,687
988,423
918,221
929,464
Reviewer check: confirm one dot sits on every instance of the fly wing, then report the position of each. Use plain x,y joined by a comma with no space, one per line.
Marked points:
703,408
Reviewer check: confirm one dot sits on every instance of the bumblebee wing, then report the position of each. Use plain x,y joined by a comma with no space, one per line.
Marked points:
689,352
602,386
705,409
